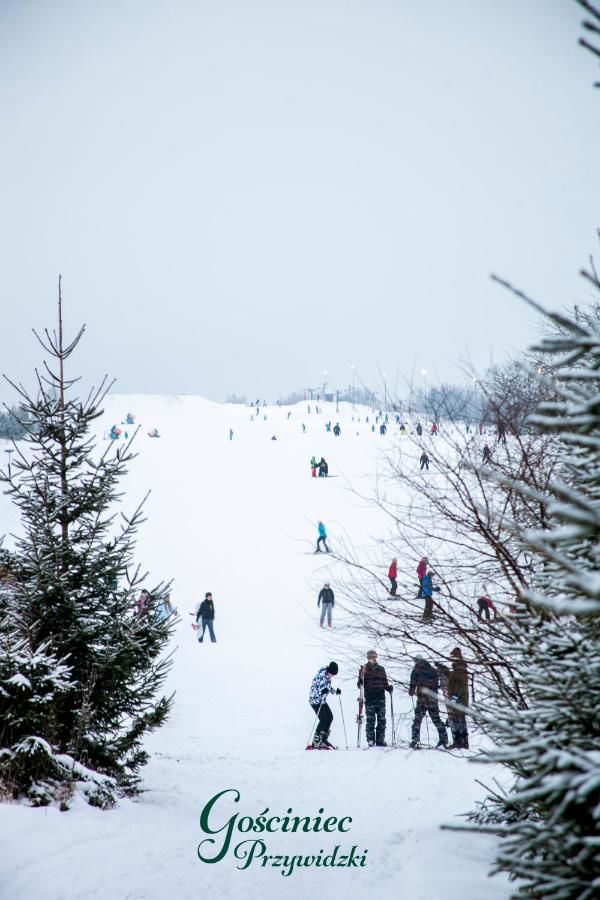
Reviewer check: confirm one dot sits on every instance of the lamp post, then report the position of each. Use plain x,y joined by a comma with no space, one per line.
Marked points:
384,391
424,374
352,367
9,451
324,383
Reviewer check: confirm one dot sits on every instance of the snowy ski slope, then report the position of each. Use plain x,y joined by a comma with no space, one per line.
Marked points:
239,518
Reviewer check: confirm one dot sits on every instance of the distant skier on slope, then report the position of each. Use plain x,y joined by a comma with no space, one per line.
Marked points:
322,537
487,454
393,575
376,684
319,691
424,676
313,466
336,429
326,601
458,692
485,605
434,428
382,429
419,429
428,591
424,460
323,468
421,573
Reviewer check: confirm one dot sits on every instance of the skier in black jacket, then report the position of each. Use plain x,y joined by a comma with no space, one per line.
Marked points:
424,676
376,684
206,614
326,601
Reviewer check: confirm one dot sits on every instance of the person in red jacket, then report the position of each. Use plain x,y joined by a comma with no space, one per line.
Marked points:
392,575
484,607
421,573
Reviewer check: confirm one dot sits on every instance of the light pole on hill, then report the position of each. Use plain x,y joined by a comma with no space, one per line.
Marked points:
353,405
325,383
424,374
9,451
385,392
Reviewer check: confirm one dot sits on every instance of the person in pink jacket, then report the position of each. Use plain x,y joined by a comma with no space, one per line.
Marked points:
421,573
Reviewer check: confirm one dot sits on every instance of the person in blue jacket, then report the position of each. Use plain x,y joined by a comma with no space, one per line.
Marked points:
322,537
428,591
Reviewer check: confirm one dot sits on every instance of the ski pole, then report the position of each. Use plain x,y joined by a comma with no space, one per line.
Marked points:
393,723
314,723
343,723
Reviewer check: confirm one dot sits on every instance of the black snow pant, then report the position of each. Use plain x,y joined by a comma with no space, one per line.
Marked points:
428,612
325,719
428,705
393,586
424,464
483,610
376,710
458,727
319,544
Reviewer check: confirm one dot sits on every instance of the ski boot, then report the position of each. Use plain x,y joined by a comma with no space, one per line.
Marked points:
370,743
325,745
414,745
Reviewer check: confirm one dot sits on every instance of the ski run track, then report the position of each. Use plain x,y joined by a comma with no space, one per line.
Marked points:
239,518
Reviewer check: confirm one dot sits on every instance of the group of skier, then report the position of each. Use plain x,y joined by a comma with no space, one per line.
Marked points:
426,679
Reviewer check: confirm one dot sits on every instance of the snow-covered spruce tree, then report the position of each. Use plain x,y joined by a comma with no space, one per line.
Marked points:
81,670
550,819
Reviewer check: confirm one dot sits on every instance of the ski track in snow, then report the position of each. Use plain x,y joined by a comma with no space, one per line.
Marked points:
239,518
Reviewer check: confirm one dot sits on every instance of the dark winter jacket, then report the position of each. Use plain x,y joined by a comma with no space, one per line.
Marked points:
458,682
376,681
423,676
326,596
206,611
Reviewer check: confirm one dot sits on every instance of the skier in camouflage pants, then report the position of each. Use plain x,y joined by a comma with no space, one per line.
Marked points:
376,684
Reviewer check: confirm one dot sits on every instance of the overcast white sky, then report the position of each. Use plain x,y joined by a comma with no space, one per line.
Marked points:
240,194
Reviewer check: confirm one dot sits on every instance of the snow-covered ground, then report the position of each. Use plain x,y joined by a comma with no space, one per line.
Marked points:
238,517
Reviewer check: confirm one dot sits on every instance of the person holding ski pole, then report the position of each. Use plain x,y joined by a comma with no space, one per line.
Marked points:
326,601
425,678
374,679
320,689
322,537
